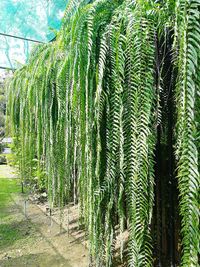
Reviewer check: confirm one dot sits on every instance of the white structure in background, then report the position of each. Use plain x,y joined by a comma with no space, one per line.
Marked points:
6,141
5,74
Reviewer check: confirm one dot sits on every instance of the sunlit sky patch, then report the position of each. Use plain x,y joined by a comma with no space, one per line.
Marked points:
32,19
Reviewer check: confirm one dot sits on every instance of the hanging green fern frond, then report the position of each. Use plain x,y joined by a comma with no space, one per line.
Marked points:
140,97
86,110
188,33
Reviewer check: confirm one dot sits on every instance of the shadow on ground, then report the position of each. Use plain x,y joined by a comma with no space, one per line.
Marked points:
34,260
32,239
12,232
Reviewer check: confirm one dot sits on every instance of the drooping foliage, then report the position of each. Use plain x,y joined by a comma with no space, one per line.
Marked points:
187,93
85,113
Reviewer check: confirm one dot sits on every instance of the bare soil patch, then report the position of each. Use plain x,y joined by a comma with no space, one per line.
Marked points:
34,240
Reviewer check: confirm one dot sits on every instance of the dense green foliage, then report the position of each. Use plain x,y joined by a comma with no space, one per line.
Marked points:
85,112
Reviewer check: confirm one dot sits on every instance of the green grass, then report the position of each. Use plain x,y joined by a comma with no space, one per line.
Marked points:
7,187
9,234
9,230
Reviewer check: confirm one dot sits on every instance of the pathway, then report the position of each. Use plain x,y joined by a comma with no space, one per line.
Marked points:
35,240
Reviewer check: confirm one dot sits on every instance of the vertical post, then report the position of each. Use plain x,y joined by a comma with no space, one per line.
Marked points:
68,221
26,208
22,184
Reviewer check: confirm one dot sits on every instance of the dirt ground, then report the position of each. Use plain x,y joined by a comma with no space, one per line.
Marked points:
28,236
7,172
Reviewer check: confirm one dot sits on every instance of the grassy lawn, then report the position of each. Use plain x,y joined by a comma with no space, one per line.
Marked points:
9,231
7,187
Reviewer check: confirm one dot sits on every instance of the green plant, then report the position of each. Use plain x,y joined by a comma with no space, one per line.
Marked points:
88,112
187,91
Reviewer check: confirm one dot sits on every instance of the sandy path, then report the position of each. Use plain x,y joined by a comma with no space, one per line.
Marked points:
7,172
41,242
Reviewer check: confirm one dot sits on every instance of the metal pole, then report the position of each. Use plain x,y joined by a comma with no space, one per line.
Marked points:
7,68
21,38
